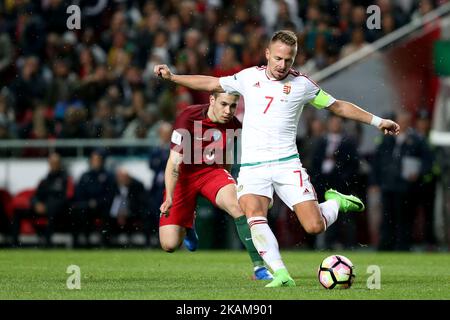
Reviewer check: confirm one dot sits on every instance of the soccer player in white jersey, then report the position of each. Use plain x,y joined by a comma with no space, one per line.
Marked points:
274,97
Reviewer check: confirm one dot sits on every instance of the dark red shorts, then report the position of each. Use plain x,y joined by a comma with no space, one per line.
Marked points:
187,189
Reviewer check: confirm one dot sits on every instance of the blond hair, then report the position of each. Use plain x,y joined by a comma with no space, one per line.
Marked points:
285,36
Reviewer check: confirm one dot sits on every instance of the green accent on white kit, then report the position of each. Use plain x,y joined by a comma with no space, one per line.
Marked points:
294,156
322,100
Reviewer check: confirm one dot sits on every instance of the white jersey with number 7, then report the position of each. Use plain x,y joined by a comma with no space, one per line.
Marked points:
272,111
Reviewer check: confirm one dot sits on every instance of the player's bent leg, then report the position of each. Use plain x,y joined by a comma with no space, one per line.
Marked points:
171,236
226,200
310,216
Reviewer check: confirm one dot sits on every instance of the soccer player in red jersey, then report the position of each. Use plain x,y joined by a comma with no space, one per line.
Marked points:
199,164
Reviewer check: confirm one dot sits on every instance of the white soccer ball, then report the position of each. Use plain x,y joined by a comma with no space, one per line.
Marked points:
336,272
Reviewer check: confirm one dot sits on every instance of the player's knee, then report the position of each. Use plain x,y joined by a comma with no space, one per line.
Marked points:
250,213
168,249
169,246
314,227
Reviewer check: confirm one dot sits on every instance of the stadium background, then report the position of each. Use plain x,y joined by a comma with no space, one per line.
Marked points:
93,89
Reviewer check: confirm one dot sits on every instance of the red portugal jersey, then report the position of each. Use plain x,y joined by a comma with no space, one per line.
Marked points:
205,145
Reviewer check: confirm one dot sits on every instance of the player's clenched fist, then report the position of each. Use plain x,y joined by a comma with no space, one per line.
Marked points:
163,71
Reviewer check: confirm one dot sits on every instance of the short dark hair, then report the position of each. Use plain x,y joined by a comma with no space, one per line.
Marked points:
215,94
285,36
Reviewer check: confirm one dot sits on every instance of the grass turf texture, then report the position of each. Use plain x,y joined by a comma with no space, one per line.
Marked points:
153,274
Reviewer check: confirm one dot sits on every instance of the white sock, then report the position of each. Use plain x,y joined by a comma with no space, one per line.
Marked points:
265,242
330,210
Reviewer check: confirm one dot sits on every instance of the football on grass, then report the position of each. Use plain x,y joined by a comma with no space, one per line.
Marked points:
336,272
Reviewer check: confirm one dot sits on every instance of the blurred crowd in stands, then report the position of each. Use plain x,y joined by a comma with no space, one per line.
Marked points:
109,203
97,82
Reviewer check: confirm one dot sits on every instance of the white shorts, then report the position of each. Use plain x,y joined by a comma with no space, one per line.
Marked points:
289,180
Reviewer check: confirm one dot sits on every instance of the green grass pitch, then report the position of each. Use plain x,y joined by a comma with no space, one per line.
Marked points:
210,275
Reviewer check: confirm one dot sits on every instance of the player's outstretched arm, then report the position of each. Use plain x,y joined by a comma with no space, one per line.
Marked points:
351,111
170,179
196,82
